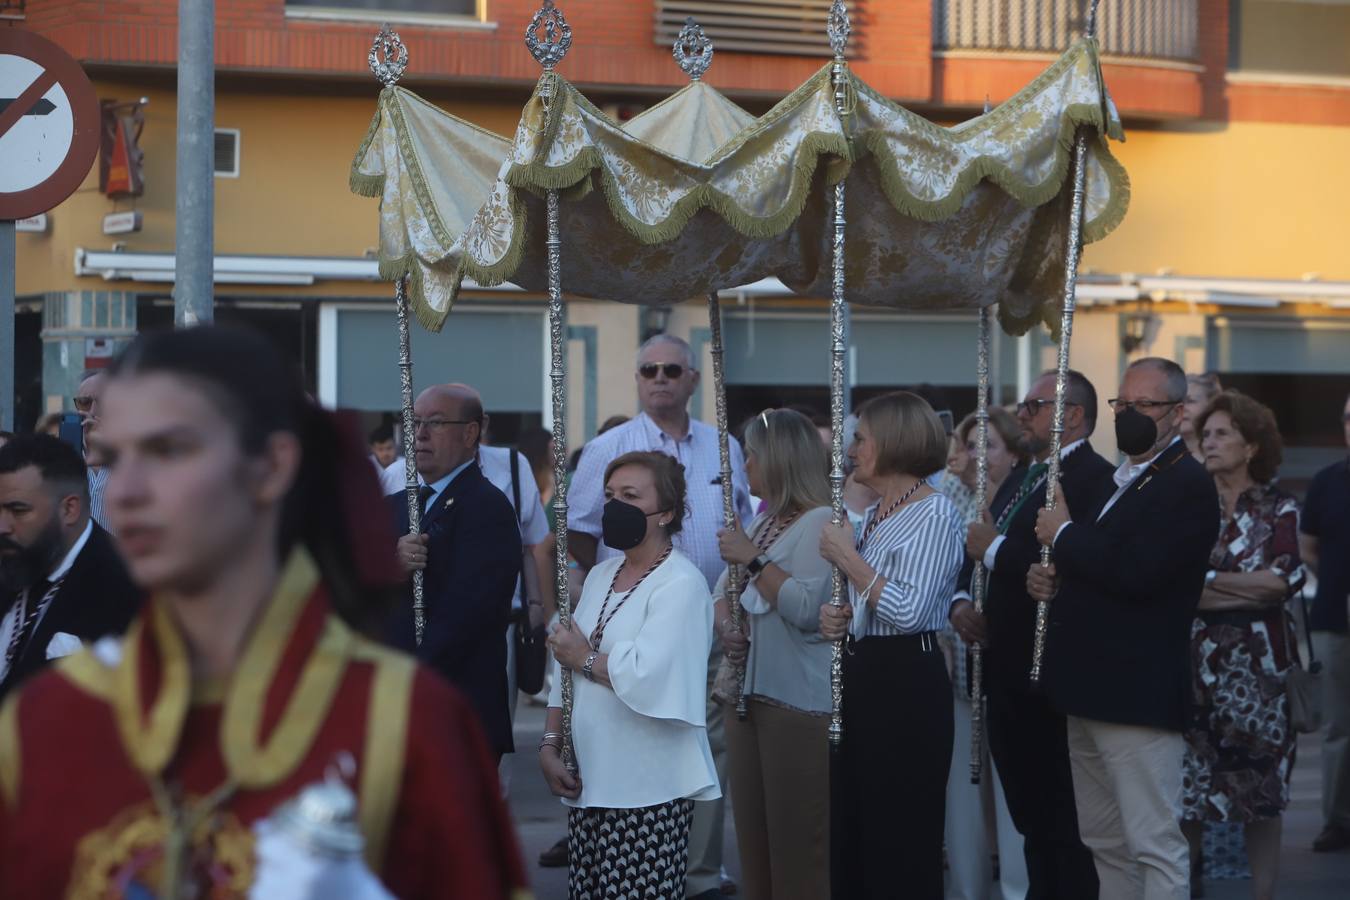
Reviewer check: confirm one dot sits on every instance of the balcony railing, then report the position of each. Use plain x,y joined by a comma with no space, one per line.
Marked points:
1154,29
790,27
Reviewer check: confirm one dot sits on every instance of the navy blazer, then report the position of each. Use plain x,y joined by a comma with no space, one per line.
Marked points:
1118,648
1009,609
473,563
96,599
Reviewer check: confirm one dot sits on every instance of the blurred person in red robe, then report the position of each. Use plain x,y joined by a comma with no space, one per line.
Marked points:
139,768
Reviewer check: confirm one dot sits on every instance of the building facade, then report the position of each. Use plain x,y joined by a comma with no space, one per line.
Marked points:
1233,256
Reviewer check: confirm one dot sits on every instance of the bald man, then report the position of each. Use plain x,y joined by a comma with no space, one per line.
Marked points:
469,552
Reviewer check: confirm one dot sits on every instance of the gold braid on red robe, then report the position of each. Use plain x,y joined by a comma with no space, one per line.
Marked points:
115,753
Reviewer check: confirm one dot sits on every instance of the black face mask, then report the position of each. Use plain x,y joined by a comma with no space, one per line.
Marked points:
1136,433
622,525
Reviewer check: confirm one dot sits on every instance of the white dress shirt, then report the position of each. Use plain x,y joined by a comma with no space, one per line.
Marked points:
1125,475
698,453
13,619
644,741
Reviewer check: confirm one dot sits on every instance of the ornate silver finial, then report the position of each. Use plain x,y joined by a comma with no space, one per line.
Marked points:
557,39
693,50
839,28
388,57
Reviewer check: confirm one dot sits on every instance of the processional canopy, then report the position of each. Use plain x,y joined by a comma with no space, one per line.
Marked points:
696,195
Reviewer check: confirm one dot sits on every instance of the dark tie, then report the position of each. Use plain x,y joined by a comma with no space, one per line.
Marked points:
1033,477
424,495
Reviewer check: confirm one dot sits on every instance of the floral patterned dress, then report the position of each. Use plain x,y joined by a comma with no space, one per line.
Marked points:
1240,747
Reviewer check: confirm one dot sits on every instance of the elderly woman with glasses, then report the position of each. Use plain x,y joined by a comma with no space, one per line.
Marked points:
888,782
778,754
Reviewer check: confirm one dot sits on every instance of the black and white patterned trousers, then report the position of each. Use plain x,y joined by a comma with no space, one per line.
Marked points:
629,854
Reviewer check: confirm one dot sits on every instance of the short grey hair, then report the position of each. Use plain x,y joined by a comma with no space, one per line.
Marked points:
664,338
1176,376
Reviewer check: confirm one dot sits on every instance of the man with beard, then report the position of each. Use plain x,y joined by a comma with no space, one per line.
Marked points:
62,583
1026,736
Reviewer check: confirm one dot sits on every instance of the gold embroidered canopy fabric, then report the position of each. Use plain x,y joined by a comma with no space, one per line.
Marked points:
696,195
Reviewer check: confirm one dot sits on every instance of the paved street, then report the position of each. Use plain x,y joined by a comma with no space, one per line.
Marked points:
1305,876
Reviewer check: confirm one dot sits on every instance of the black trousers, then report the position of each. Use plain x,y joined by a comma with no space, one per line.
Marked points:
888,779
1030,747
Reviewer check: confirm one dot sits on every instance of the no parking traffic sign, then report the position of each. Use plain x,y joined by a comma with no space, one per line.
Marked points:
49,123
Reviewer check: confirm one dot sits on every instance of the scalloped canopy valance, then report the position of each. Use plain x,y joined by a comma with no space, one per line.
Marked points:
696,195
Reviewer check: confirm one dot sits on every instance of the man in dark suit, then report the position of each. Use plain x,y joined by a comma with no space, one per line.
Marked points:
1118,650
470,554
62,583
1026,735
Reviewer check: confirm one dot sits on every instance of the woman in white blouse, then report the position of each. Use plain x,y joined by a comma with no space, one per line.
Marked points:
888,780
638,650
779,754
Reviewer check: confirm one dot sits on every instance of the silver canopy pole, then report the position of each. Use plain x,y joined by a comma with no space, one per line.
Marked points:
839,28
548,50
978,583
388,60
1073,254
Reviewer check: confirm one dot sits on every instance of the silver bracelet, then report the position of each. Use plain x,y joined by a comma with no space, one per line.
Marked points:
590,663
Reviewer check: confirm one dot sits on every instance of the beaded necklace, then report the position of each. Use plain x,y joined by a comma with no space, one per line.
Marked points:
602,621
877,520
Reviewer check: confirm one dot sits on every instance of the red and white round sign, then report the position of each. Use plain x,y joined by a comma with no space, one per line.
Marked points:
49,123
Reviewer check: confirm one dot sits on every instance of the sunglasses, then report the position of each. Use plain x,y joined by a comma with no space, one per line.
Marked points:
84,404
649,370
1033,407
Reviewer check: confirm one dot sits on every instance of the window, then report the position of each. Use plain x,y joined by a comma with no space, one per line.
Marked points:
227,153
423,7
1307,39
792,27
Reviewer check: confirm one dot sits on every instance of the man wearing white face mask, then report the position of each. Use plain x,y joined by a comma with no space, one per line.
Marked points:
1123,592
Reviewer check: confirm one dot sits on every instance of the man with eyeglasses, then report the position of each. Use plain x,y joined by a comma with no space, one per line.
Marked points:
1123,592
666,378
469,552
1027,737
1324,544
86,400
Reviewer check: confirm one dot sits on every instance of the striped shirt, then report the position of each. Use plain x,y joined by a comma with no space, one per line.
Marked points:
698,453
98,480
918,550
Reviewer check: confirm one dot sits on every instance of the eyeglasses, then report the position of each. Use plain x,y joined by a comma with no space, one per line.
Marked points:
438,424
84,404
649,370
1033,407
1144,406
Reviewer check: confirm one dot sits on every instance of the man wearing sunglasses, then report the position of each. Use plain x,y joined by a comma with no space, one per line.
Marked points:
1123,592
86,401
666,378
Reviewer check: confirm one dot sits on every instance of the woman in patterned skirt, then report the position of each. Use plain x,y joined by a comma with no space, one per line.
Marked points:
638,650
1240,748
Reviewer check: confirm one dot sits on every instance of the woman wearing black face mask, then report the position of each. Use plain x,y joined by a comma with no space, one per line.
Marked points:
638,649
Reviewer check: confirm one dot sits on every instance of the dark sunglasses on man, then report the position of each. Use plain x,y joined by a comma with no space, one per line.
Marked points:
84,403
649,370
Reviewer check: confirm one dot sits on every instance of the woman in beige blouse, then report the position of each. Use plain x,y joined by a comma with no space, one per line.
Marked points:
779,754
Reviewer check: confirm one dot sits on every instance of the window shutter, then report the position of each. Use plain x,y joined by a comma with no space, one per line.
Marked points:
790,27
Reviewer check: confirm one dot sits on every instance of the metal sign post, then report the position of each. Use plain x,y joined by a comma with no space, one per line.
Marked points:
49,129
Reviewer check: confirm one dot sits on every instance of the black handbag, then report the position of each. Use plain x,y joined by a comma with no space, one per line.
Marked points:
1304,685
531,651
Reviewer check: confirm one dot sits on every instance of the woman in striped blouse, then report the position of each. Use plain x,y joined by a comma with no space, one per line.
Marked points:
888,781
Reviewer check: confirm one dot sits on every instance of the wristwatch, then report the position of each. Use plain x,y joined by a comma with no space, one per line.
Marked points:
757,565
